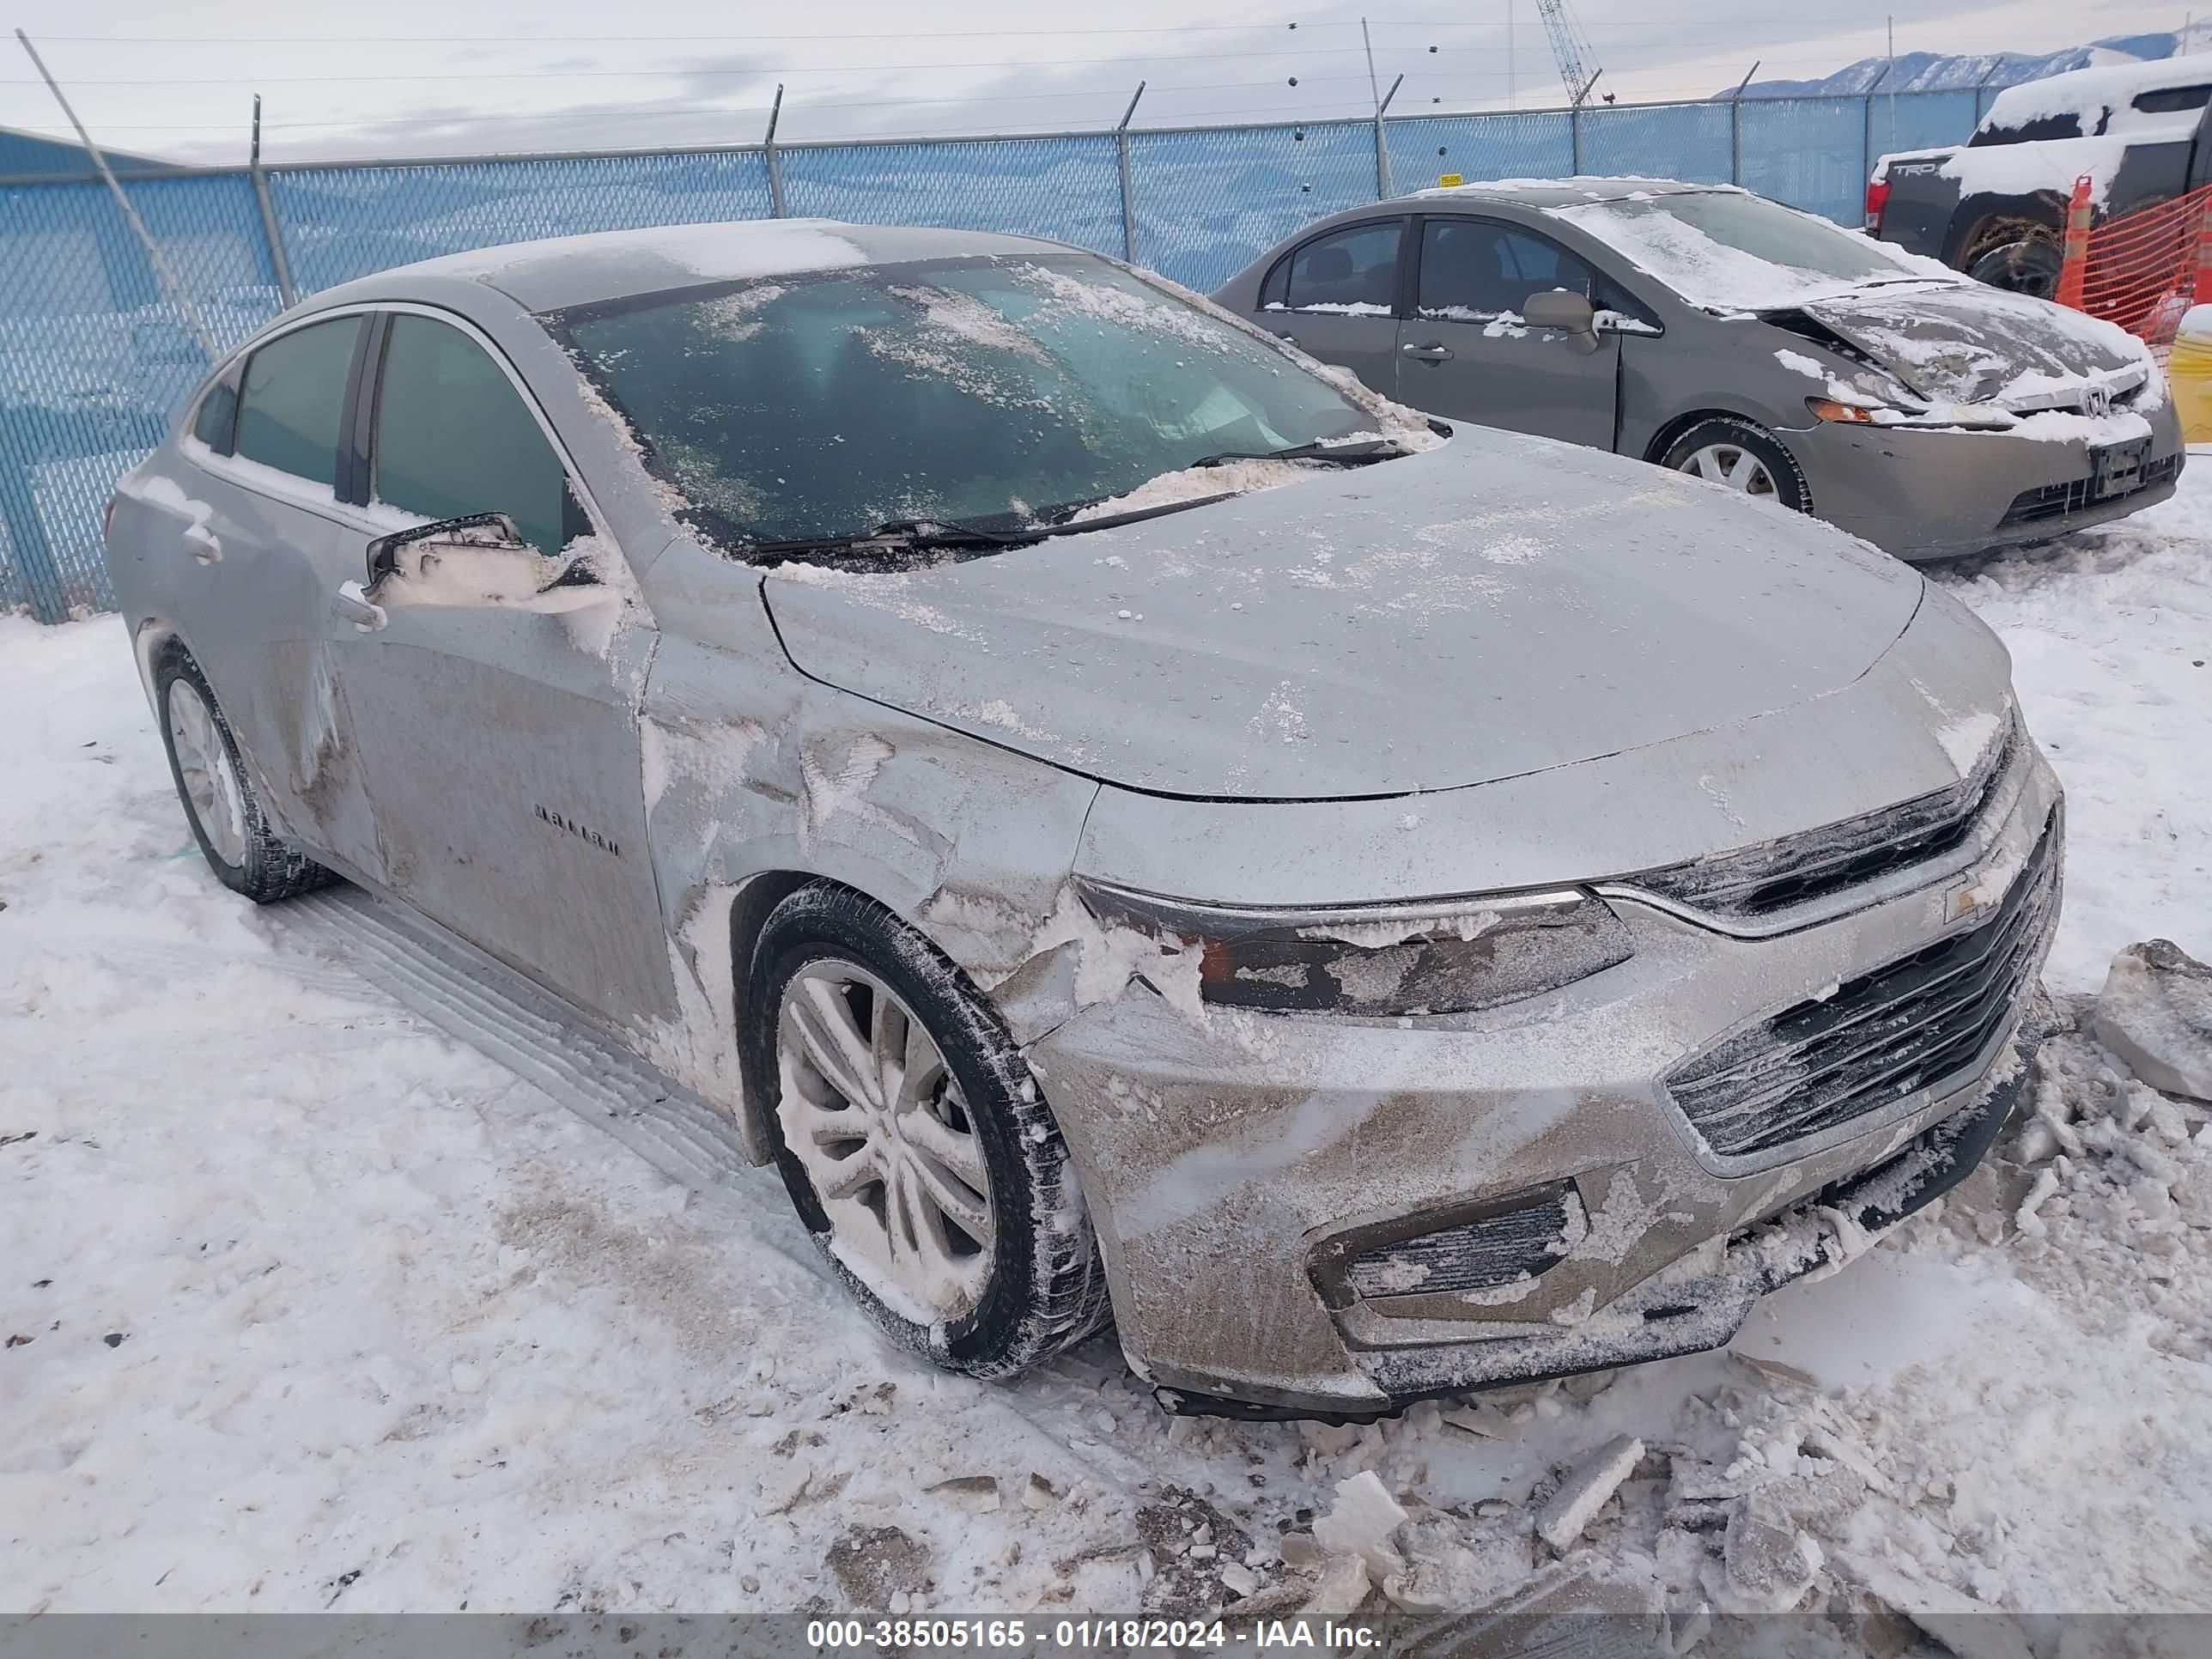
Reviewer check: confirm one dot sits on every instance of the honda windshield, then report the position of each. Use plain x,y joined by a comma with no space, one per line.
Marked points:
1726,250
997,393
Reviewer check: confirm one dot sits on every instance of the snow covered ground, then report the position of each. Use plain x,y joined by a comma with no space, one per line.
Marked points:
306,1305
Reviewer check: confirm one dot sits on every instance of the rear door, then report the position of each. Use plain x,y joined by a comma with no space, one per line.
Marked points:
264,534
499,746
1336,298
1464,353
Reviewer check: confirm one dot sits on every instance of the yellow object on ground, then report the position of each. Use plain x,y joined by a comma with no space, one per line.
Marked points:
2188,367
2189,370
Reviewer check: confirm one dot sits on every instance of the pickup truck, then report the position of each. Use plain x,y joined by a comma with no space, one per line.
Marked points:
1994,207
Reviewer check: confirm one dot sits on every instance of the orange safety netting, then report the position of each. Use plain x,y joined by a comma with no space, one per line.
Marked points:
2142,270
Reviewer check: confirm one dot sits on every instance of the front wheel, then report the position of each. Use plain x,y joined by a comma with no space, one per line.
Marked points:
2028,264
914,1141
1739,455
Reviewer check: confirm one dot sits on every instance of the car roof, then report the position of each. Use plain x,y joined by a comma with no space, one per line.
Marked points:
2099,86
1561,192
555,274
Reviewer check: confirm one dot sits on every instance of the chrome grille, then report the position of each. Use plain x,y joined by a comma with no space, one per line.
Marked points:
1754,881
1879,1037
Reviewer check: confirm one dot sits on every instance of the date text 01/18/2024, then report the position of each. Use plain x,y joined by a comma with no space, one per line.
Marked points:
1082,1635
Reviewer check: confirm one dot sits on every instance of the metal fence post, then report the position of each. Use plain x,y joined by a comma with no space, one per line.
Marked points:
32,555
1128,188
1382,191
277,260
1575,139
1735,124
775,160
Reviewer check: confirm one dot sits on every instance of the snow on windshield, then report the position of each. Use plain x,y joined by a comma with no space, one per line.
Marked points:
1727,250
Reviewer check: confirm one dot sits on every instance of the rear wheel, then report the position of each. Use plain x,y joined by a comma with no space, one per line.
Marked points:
245,854
914,1141
2026,264
1739,455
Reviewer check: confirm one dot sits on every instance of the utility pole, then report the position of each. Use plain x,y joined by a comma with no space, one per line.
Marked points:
167,278
1512,77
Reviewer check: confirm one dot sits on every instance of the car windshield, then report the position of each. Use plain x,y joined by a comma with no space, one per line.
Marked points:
1007,392
1728,251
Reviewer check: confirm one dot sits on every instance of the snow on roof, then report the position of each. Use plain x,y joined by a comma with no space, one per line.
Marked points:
1579,188
2108,87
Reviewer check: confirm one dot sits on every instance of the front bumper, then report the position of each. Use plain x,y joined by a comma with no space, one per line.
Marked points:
1226,1164
1934,494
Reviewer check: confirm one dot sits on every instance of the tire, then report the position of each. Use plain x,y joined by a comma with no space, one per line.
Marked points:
2027,265
1720,442
245,854
1034,1283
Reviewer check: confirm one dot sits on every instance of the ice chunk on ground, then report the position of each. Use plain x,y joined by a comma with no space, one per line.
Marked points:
1583,1492
2155,1013
1767,1563
1362,1522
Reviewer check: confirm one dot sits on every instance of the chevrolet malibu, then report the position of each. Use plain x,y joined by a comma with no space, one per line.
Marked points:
1715,332
1131,824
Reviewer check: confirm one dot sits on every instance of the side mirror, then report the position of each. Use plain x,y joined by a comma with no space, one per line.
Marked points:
1571,313
481,560
471,530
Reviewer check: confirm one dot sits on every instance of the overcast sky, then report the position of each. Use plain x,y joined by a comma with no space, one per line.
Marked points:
176,77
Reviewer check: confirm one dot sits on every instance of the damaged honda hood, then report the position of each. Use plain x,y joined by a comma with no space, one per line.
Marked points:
1496,606
1974,345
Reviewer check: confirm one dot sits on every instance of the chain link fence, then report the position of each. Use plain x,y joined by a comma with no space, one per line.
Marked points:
93,358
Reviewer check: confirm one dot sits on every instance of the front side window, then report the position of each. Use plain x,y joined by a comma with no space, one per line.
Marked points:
454,437
1353,270
293,400
1474,268
1018,390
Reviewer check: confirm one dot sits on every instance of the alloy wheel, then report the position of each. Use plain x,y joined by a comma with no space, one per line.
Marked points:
1733,467
877,1122
210,774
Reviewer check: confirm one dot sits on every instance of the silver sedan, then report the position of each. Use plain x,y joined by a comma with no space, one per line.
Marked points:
1131,823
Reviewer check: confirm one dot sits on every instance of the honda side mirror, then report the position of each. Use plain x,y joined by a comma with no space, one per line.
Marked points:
1571,313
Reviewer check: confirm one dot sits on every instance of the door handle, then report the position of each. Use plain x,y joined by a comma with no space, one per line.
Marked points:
357,607
1435,352
206,548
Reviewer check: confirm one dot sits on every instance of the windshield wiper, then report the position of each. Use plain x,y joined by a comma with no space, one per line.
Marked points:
927,535
1348,454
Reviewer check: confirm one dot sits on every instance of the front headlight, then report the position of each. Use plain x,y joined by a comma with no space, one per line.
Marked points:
1438,957
1967,417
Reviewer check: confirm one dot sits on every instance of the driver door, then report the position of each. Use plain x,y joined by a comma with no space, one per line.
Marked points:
1464,352
496,731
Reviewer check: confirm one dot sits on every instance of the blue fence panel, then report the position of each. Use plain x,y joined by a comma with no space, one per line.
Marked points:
1809,152
343,223
93,358
1508,144
1919,120
1068,189
1671,140
1209,203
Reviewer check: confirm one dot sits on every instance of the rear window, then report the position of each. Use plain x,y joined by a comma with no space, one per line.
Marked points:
2168,100
2066,125
293,399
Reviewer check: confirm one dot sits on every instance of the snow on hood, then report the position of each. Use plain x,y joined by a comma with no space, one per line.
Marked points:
1982,345
1498,606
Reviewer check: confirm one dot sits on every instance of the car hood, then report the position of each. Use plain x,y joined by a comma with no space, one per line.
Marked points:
1493,607
1979,344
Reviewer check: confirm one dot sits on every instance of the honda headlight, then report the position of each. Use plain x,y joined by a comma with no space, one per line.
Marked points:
1437,956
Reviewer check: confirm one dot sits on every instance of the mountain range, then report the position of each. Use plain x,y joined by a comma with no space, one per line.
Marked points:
1934,71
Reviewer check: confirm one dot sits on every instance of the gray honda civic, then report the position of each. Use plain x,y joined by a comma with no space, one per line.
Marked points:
1133,825
1715,332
